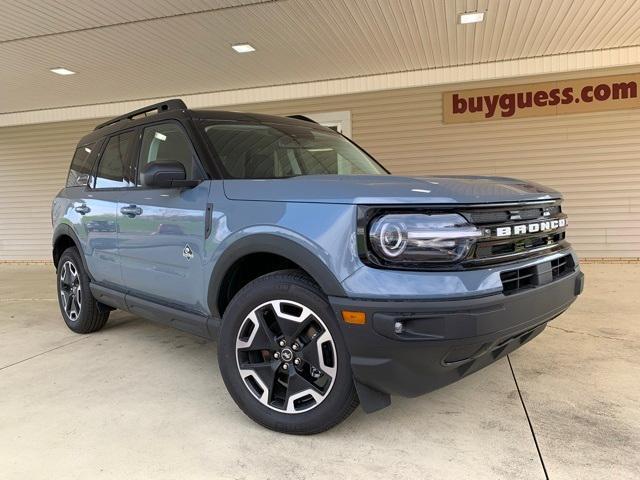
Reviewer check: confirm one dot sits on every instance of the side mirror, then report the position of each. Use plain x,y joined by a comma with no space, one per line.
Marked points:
165,175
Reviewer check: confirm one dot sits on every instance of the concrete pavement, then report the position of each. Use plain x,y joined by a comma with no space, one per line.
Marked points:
138,400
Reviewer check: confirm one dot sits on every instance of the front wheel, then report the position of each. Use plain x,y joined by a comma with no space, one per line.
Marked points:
283,358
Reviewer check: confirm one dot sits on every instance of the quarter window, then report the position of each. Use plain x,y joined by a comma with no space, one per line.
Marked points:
168,142
111,171
81,166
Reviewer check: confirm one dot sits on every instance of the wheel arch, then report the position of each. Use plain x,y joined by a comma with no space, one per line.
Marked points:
63,238
291,252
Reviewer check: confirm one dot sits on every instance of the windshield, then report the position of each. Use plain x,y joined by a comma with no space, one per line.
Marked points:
285,150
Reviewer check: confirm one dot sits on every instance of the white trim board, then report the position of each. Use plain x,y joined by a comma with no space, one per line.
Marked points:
342,118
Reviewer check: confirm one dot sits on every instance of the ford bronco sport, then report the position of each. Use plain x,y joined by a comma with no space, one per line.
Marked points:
327,281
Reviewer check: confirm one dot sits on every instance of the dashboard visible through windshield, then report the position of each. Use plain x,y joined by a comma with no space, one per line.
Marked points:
261,151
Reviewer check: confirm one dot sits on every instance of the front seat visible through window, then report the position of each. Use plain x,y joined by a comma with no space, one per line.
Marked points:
259,166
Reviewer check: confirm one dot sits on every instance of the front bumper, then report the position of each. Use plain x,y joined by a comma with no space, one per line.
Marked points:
412,347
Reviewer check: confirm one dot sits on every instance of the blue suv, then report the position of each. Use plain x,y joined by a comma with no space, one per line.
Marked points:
327,281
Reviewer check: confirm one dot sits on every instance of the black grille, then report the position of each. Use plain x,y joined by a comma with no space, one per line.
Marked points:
517,280
514,281
493,248
561,266
515,214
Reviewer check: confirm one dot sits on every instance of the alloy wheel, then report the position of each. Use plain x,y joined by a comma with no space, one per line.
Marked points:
70,290
286,356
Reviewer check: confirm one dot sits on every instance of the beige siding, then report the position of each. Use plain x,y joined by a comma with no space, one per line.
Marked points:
594,159
33,167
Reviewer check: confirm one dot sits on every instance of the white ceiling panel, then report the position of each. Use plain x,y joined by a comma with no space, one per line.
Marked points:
125,50
23,19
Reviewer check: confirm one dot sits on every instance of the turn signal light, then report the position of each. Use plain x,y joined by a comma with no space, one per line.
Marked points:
355,318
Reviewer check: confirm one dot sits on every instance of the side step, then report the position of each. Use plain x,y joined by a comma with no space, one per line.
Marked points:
199,325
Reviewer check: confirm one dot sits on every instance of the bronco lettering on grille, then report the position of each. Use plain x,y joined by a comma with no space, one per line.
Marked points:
535,227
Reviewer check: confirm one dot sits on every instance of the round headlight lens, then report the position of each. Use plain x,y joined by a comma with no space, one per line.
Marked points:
393,238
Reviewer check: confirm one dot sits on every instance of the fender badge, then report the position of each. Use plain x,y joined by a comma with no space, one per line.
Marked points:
187,252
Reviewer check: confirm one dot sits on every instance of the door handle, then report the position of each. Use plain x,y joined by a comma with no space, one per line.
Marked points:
131,211
82,209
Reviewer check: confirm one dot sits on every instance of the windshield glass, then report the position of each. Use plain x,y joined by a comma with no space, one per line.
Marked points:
285,150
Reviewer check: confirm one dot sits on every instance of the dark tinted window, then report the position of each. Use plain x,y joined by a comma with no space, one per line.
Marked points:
285,150
111,173
168,142
81,166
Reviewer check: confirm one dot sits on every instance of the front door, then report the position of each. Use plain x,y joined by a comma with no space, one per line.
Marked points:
161,230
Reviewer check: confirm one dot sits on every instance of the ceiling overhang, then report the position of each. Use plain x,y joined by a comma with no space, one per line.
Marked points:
511,69
126,54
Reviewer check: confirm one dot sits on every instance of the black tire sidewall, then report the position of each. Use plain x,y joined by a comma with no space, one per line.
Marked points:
340,401
81,325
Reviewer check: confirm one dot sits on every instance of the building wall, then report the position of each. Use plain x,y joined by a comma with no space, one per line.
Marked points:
593,158
34,160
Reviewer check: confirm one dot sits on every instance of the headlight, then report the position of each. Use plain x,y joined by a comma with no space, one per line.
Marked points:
418,238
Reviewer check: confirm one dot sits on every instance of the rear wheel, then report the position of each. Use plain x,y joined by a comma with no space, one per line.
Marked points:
283,358
77,305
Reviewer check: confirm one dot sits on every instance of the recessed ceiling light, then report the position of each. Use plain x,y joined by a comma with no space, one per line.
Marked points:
243,48
62,71
471,17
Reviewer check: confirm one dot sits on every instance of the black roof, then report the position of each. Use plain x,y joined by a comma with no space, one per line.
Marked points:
249,117
175,108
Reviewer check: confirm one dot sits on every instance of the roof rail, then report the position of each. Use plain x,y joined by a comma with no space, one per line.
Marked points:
173,104
302,117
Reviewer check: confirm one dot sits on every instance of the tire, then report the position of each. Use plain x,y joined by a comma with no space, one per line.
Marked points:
78,307
315,391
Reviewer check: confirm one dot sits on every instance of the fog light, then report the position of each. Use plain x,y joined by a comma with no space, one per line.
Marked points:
398,327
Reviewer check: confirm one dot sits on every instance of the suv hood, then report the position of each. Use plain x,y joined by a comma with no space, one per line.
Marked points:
388,189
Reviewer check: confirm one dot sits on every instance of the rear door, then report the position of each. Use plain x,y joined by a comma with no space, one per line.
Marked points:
99,209
162,230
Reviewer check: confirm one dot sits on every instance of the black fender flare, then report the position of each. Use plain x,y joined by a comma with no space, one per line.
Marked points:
65,230
277,245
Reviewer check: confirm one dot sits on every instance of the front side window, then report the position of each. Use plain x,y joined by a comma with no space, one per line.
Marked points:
168,142
285,150
111,170
81,166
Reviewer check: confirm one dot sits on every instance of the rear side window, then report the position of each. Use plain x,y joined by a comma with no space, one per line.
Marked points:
111,171
81,166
